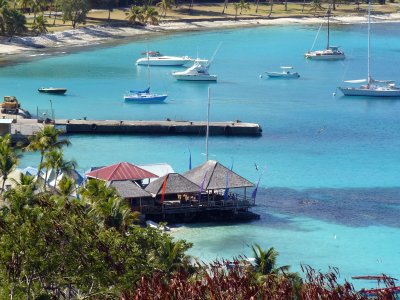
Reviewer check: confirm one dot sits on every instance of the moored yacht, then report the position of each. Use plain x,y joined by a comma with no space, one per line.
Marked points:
330,53
372,88
155,58
197,72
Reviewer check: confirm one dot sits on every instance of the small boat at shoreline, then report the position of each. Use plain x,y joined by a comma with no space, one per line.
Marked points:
284,74
52,90
153,224
197,72
155,58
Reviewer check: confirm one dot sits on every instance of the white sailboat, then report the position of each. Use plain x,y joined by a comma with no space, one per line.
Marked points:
372,88
330,53
145,96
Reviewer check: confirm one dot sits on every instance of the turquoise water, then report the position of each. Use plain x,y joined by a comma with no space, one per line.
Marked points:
339,154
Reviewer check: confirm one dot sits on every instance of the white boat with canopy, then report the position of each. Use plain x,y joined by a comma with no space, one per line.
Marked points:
197,72
330,53
372,88
155,58
286,73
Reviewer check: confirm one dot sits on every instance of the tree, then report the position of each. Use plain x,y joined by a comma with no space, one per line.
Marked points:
40,26
236,7
74,11
3,11
265,261
225,6
15,22
8,158
315,5
150,16
135,14
271,5
243,5
44,141
164,5
54,160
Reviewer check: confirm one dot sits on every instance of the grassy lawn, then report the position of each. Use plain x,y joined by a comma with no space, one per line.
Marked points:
214,12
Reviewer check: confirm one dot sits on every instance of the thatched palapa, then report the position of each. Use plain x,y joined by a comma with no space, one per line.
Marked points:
129,190
216,177
175,184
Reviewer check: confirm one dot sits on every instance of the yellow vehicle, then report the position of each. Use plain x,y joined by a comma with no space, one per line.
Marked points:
10,105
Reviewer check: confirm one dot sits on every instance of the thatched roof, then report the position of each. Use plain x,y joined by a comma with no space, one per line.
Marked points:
215,177
129,189
176,184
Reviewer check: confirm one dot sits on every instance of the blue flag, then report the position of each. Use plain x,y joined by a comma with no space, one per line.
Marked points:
254,194
202,185
190,160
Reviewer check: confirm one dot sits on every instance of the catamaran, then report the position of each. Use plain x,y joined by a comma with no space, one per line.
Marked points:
155,58
372,88
330,53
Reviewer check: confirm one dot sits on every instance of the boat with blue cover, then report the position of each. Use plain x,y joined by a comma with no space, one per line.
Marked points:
144,96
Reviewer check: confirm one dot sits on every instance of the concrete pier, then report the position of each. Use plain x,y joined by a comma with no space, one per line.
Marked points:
229,128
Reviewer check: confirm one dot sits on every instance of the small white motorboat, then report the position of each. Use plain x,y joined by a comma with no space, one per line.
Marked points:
286,73
153,224
197,72
155,58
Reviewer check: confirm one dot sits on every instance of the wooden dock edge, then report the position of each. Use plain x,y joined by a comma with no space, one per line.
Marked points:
228,128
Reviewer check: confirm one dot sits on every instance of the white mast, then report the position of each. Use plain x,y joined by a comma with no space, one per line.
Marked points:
208,123
369,42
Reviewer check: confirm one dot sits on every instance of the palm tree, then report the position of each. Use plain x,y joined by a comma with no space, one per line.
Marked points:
164,5
135,14
15,22
225,6
54,160
172,256
151,16
236,7
40,26
46,140
271,5
8,158
243,5
265,261
36,6
316,5
257,2
66,186
3,9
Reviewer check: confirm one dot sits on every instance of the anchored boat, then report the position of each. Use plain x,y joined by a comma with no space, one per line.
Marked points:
155,58
286,73
52,90
197,72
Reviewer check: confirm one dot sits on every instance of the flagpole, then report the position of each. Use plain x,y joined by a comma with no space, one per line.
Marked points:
208,123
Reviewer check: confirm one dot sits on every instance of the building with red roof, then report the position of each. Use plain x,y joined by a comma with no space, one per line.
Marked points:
121,172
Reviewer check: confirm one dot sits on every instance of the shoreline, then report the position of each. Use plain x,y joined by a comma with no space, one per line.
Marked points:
31,47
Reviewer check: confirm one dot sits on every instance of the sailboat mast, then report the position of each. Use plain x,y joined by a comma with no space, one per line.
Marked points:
329,12
208,123
369,42
148,67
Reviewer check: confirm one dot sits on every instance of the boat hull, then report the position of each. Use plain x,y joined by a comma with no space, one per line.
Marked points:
142,99
313,56
280,75
162,62
370,92
195,77
56,91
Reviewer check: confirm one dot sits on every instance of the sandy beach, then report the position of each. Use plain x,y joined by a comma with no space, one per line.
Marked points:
92,35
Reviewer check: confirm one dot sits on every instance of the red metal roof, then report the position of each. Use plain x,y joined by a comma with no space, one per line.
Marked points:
121,171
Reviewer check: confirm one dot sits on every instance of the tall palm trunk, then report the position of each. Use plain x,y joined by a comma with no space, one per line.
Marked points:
271,3
4,183
225,6
257,3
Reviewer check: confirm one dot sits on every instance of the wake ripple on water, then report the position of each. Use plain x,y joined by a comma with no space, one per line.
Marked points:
355,207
